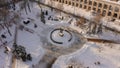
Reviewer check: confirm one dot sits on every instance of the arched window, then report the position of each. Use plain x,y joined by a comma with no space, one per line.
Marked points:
85,1
69,2
115,15
85,6
60,1
110,8
90,2
95,3
99,11
100,5
81,0
116,9
65,2
89,8
73,3
105,6
109,13
94,8
80,5
76,4
104,13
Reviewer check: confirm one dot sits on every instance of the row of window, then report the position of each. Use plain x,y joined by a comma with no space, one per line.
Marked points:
100,5
86,4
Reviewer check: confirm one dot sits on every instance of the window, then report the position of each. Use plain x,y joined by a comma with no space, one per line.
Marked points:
104,13
81,0
116,9
73,3
105,6
65,2
85,1
95,3
80,5
109,13
100,5
85,6
60,1
115,15
99,11
76,4
89,8
90,2
94,9
110,8
70,3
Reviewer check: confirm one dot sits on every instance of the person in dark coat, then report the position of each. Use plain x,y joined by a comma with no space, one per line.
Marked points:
35,25
3,36
26,22
29,57
46,12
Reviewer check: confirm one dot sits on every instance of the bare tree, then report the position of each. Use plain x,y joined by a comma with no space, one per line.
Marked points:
5,14
26,4
97,18
96,25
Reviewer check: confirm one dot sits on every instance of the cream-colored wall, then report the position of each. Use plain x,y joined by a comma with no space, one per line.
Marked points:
96,5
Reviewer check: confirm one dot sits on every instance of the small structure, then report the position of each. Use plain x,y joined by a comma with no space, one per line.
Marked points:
61,32
7,49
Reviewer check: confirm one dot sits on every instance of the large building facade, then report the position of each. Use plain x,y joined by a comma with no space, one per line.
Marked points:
105,8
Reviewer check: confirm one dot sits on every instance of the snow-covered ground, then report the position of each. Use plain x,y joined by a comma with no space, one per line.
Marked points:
91,55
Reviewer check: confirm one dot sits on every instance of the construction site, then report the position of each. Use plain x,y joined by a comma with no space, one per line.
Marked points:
59,34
